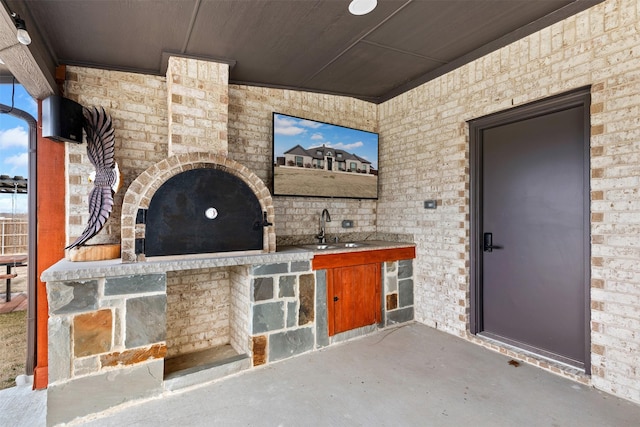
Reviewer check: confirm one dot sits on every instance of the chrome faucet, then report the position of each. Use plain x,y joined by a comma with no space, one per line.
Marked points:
324,218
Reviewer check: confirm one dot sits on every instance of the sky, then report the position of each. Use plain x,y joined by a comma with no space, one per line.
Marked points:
14,144
291,131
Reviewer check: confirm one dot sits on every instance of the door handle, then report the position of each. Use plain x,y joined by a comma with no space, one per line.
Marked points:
487,243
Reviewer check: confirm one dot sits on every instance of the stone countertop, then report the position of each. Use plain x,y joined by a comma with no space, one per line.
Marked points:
367,245
65,270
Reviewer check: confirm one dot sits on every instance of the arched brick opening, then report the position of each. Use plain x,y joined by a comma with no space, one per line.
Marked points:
142,189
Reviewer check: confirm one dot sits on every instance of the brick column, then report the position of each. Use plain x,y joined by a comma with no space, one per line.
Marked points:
198,106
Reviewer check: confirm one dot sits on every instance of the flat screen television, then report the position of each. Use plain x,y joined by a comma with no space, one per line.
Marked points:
318,159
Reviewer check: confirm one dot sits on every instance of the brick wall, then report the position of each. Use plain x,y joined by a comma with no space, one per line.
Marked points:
198,304
599,47
239,321
138,106
145,133
250,116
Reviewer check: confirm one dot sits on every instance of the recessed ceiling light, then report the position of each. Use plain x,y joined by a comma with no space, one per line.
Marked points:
362,7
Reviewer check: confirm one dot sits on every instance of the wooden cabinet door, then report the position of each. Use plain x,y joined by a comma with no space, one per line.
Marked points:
353,295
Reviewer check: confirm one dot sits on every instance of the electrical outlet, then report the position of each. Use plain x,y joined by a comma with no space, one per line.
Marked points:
347,223
430,204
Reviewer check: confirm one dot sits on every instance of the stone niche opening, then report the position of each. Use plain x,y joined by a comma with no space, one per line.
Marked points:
207,319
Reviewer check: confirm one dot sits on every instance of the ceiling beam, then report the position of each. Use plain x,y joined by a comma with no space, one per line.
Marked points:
28,69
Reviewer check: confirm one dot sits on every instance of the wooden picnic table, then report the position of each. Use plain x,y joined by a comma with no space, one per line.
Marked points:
10,261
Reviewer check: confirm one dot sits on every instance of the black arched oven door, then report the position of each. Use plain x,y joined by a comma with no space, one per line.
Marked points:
203,211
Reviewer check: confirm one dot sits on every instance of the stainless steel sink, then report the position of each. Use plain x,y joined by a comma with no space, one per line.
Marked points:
321,247
352,245
327,246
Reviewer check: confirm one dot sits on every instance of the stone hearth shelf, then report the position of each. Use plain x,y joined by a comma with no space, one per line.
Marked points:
109,322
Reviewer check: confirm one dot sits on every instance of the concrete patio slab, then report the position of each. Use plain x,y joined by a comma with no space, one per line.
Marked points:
407,376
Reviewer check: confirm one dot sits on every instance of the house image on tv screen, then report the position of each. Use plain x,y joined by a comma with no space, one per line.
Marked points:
327,158
318,159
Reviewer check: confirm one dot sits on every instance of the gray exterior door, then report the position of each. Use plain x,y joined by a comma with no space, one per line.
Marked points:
531,232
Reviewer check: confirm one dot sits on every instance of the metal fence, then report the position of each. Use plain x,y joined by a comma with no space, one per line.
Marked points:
14,236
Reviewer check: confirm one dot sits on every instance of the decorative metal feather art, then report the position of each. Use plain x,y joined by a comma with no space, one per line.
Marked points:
106,178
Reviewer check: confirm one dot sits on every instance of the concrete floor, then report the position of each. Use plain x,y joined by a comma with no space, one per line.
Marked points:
21,406
408,376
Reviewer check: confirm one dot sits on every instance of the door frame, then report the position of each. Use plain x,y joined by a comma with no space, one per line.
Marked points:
577,98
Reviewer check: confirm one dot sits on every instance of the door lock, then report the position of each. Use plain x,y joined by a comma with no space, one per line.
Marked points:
487,243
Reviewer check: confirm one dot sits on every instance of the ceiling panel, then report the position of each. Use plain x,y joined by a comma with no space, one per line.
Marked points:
280,42
369,70
303,44
445,30
117,34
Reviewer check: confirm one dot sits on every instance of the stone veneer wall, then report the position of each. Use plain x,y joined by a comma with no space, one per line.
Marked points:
198,310
398,291
110,334
250,120
105,335
283,320
598,47
289,307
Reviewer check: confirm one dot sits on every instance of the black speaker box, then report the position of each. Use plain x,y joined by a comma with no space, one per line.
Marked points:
62,119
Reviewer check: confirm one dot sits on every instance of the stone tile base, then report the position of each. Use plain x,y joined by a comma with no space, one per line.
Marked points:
202,376
354,333
87,395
